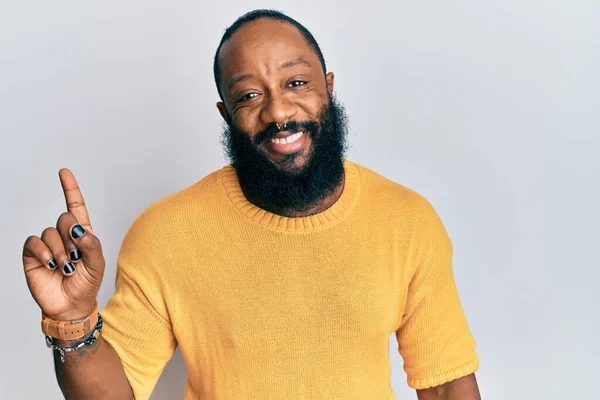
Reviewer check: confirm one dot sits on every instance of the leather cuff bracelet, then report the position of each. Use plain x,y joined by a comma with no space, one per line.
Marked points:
70,330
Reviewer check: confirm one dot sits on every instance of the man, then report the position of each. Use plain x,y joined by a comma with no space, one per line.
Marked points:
279,276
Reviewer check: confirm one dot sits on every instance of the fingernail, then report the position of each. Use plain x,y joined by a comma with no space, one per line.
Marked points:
69,268
52,263
75,255
77,231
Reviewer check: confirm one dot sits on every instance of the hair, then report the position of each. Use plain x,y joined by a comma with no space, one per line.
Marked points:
264,14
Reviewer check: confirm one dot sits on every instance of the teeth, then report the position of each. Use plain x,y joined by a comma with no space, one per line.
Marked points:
289,139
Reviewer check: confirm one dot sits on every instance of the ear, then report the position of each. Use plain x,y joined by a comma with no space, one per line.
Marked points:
329,78
223,111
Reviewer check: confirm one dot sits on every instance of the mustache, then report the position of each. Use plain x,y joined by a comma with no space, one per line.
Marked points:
293,126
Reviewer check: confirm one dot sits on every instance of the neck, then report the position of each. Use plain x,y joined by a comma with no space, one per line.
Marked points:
316,208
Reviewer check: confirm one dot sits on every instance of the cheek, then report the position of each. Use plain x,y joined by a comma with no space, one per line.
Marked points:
311,106
246,120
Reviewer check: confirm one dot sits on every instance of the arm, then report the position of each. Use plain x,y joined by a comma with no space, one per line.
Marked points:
64,269
464,388
133,347
433,336
92,372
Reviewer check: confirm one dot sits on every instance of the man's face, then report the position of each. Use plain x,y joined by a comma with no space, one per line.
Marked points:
270,75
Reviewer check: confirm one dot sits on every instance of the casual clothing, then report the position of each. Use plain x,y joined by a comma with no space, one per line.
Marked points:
269,307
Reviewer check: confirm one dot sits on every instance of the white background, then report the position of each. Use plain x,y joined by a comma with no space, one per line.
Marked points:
490,109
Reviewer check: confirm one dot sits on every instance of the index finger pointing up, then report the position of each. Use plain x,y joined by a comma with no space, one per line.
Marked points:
74,198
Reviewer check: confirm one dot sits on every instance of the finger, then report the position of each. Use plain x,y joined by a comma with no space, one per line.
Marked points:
54,241
74,198
36,254
65,221
90,247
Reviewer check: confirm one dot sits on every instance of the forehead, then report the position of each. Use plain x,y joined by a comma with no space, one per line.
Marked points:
263,44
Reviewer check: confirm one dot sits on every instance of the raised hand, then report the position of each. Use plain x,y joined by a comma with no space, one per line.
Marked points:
64,266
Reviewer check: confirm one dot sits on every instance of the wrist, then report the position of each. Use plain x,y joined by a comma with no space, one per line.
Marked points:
73,329
68,345
73,314
74,342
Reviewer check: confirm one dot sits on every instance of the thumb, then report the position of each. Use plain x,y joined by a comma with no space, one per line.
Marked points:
90,247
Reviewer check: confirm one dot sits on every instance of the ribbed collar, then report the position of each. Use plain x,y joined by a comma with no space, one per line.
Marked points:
316,222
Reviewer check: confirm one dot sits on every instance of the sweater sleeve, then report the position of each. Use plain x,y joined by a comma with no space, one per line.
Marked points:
434,339
136,321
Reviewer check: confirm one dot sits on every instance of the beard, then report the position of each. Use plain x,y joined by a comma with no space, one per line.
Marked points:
283,187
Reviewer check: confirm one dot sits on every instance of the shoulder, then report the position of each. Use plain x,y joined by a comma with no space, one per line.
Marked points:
172,216
382,192
397,207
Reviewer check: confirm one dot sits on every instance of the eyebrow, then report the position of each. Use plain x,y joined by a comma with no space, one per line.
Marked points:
293,63
236,79
288,64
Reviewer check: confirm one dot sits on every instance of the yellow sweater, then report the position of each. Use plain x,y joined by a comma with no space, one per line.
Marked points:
268,307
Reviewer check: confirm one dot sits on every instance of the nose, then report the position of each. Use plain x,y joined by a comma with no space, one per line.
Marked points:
277,109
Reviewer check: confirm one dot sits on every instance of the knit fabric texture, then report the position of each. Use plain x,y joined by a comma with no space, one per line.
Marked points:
269,307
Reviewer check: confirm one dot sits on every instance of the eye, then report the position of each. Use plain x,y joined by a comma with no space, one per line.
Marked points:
248,96
297,83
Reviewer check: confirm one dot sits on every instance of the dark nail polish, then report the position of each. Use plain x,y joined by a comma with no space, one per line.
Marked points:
69,268
75,255
77,231
52,263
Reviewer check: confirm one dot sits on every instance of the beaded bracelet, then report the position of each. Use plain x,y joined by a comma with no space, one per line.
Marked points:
87,342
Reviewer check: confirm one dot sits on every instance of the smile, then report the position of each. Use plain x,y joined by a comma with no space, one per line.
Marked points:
289,144
289,139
